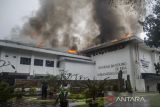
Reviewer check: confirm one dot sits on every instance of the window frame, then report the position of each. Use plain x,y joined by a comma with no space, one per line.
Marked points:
23,61
48,65
38,62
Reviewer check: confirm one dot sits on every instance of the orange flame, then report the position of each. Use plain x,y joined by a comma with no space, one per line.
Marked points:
72,51
114,40
126,35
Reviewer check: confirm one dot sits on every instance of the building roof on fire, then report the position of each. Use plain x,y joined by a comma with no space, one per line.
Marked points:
134,39
17,45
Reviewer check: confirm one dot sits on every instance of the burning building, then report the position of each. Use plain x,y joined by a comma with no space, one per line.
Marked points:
29,61
106,26
130,55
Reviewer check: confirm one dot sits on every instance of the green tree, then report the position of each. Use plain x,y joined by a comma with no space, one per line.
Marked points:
95,87
152,26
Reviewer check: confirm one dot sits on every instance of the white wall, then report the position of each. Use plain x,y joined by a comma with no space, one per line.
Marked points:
146,61
81,68
14,59
42,70
20,68
145,64
140,85
84,69
112,62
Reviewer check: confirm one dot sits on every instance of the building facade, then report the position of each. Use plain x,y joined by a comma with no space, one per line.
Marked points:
20,59
130,55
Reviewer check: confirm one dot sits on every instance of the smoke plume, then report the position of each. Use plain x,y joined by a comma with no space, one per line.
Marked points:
117,18
82,23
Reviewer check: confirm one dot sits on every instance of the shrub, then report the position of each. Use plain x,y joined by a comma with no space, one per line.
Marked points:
76,96
95,88
6,92
18,93
100,101
115,88
32,91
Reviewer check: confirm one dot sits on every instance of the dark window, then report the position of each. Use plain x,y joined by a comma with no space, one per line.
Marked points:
25,61
49,63
38,62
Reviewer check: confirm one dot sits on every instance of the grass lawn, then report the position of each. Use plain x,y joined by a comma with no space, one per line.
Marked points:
154,101
154,98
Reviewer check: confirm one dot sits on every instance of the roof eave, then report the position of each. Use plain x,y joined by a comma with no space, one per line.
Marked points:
111,44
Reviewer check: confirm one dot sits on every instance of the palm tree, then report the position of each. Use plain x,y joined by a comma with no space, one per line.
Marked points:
95,88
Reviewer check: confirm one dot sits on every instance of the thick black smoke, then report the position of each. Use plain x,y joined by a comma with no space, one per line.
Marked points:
82,23
117,18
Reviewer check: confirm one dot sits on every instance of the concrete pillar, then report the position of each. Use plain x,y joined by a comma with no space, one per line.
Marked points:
134,67
44,67
55,70
31,72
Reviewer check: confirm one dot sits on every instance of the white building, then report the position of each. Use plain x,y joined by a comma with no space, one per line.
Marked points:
20,59
130,55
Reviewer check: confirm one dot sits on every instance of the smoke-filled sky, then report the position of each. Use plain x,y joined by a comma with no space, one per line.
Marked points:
79,23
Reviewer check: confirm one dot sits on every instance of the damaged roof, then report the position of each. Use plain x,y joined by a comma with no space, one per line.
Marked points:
112,43
22,46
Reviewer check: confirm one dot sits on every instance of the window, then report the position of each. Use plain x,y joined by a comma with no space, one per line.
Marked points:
49,63
25,61
38,62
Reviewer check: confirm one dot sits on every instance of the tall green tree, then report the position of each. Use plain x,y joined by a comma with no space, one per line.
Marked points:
152,26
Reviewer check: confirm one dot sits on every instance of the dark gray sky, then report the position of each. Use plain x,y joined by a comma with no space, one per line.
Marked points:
15,13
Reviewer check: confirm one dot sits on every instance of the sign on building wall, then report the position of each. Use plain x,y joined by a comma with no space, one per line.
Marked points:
112,69
145,65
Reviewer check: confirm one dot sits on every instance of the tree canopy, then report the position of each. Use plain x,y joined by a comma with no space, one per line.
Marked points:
152,26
